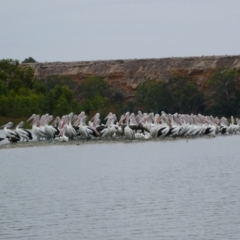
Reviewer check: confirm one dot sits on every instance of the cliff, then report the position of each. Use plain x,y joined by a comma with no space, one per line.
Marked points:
125,75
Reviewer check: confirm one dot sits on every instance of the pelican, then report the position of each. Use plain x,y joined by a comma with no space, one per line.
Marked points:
23,133
173,126
119,129
235,127
63,137
50,131
211,131
10,133
145,135
110,130
154,130
55,124
165,126
70,131
128,132
83,129
223,125
36,126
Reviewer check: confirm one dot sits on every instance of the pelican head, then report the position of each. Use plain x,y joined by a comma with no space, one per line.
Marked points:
21,124
108,116
8,125
31,118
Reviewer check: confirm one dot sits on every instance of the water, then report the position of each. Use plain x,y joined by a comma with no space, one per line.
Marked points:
147,190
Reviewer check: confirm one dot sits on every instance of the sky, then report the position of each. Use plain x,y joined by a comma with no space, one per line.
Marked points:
79,30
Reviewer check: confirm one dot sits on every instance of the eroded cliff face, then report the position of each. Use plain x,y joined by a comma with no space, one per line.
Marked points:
126,75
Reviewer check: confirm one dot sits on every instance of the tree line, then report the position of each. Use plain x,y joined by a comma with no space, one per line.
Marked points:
221,96
21,94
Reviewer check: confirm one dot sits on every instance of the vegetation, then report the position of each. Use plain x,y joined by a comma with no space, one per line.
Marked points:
179,94
21,94
29,60
96,95
224,95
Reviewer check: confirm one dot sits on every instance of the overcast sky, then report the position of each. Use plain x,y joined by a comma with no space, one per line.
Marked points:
76,30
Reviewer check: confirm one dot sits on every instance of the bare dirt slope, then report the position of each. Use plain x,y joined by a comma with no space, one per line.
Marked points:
125,75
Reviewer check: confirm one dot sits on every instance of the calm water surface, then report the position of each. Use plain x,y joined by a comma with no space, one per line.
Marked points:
147,190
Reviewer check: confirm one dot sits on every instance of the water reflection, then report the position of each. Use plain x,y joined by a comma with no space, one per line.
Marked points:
146,190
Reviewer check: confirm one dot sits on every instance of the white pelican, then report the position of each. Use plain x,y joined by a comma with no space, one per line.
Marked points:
164,126
145,135
110,130
83,129
36,127
23,133
70,131
63,137
154,130
128,132
10,134
211,131
223,125
50,131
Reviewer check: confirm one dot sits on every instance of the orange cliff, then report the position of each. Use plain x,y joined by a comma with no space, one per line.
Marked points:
126,75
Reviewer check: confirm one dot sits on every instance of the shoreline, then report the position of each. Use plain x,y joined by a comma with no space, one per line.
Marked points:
78,142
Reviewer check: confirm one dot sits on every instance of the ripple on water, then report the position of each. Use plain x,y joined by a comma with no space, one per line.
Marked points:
145,190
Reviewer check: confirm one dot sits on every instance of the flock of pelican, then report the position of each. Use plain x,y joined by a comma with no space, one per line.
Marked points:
129,126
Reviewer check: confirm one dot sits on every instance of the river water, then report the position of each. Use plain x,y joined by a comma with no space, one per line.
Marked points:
173,189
